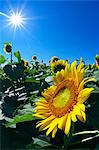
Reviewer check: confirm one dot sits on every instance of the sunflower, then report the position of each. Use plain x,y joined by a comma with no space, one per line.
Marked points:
63,102
34,57
7,48
54,58
57,65
97,61
25,63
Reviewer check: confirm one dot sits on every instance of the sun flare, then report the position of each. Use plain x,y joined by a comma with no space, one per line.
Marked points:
16,20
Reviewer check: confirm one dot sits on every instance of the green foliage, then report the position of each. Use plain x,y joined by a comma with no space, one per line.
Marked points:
93,74
22,118
18,56
7,43
40,142
97,57
96,75
21,87
2,59
31,80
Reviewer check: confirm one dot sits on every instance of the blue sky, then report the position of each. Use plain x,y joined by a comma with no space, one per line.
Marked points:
67,29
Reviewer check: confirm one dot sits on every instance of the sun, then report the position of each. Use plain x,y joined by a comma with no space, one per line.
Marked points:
16,20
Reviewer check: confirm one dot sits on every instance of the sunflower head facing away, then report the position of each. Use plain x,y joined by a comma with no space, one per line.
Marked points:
57,65
7,48
25,63
97,60
63,102
34,57
54,58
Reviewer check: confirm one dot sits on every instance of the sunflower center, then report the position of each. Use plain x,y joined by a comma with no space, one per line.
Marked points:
61,98
64,98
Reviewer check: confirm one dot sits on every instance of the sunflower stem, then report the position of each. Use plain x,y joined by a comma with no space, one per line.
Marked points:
11,57
68,138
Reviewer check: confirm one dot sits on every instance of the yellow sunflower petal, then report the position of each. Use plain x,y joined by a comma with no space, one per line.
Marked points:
80,113
80,118
52,125
62,72
39,116
41,107
83,115
73,65
43,126
41,104
46,95
54,132
84,94
81,106
80,66
46,127
59,76
56,81
68,124
80,75
43,100
62,121
46,120
74,72
73,116
88,80
81,86
51,90
67,71
77,110
42,111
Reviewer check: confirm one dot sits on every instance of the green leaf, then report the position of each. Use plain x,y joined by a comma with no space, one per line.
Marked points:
22,118
96,75
27,109
17,55
30,71
41,142
10,120
97,57
31,80
7,42
32,146
2,59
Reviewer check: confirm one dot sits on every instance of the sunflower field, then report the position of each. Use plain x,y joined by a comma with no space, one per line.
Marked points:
48,106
